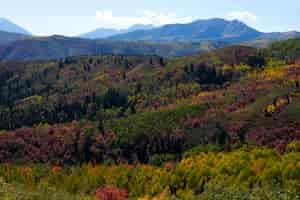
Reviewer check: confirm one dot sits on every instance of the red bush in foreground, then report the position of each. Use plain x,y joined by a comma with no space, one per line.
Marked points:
168,166
56,169
111,193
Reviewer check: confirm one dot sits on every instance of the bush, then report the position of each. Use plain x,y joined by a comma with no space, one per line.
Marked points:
256,174
202,149
111,193
293,147
160,159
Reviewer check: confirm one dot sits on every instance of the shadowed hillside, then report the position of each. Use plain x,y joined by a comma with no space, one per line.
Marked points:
55,47
6,38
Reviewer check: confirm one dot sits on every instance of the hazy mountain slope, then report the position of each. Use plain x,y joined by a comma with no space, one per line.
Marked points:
6,37
209,30
137,27
8,26
100,33
104,32
212,29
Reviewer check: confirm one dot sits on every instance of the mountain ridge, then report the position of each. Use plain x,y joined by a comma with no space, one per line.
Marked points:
211,29
8,26
168,41
101,33
57,47
233,31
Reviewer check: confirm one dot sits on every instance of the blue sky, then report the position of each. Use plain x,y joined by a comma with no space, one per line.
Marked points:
72,17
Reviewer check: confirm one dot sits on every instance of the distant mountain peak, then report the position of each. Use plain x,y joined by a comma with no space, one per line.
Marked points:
140,27
101,33
237,21
215,29
8,26
291,33
210,20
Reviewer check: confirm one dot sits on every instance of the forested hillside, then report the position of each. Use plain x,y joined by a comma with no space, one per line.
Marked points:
219,125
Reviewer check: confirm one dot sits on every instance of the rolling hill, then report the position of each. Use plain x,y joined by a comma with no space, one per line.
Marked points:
55,47
217,126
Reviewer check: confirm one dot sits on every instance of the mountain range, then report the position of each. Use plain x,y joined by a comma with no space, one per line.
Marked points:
104,33
168,40
201,30
215,29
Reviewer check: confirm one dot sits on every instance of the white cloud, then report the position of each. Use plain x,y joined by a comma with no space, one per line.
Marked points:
244,16
107,19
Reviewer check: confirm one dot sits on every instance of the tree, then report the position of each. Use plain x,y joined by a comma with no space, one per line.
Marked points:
256,61
60,64
161,62
100,120
114,97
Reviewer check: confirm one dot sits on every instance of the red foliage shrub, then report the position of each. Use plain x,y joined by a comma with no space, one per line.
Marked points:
195,122
293,72
241,103
233,128
168,166
276,138
26,171
56,169
243,96
56,144
111,193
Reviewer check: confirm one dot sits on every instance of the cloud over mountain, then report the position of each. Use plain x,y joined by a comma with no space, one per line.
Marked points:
245,16
107,19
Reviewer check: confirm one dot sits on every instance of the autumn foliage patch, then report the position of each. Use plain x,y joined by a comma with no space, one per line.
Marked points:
111,193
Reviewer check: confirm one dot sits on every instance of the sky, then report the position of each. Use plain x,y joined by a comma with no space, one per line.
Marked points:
73,17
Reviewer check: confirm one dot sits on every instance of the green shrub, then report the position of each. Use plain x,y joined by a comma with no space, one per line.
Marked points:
202,149
160,159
